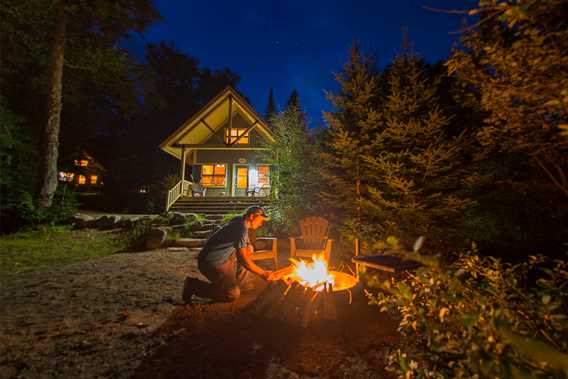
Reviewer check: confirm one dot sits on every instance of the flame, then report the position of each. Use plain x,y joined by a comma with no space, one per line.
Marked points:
313,274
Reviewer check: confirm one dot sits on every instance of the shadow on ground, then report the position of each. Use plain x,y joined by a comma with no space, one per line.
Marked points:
227,341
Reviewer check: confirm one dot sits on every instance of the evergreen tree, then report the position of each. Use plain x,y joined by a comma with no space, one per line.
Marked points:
417,179
515,63
293,100
351,128
271,110
292,157
87,46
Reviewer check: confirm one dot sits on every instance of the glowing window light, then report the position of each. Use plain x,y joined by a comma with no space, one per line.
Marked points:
81,179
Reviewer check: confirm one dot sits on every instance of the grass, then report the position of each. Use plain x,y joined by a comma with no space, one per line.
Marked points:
52,247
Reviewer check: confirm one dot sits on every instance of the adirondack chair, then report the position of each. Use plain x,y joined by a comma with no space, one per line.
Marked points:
264,248
313,239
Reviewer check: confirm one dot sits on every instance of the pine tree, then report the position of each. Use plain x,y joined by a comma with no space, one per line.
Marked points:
351,128
416,174
292,156
293,100
516,64
271,110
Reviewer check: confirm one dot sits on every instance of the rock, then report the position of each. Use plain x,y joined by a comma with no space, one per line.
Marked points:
177,249
189,242
179,229
177,218
202,233
107,222
81,220
154,239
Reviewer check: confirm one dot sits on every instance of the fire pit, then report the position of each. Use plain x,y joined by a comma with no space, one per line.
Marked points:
304,292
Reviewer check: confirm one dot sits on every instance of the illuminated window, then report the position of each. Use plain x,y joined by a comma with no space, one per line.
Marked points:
242,177
264,175
235,133
94,179
81,179
81,162
66,176
213,175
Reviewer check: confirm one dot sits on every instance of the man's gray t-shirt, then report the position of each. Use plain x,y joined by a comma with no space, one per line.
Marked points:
225,241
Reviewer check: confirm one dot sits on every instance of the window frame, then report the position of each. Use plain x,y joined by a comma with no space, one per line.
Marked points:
245,139
268,176
212,184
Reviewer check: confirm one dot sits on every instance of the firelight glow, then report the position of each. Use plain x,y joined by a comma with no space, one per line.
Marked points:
313,274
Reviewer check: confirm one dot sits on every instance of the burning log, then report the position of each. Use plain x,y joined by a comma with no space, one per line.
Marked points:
303,293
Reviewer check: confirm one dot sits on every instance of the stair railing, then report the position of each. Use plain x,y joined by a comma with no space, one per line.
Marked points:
180,189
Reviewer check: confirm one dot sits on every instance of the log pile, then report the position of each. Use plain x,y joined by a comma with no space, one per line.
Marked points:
295,304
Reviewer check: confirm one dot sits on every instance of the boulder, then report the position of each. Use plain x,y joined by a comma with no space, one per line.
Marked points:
177,218
155,238
107,222
189,242
81,220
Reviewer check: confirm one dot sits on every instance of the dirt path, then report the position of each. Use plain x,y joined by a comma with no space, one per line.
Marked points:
121,316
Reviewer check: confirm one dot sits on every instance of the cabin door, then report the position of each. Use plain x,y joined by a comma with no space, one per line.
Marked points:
241,181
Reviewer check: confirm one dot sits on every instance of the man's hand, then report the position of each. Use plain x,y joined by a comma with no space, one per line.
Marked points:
268,276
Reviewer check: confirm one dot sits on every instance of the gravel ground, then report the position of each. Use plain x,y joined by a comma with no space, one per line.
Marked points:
91,319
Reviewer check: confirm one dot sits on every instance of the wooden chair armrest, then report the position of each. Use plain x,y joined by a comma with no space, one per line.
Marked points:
266,238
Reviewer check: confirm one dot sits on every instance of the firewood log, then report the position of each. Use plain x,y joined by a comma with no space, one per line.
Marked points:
268,296
311,305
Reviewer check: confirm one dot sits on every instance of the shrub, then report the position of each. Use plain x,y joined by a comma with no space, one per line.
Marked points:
192,220
229,216
480,317
134,236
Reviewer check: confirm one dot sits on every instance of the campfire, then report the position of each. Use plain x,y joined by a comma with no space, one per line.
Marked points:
303,292
314,275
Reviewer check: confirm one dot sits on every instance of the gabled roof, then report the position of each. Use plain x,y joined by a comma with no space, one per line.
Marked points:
203,125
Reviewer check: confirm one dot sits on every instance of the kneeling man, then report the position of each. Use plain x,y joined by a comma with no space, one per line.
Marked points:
218,259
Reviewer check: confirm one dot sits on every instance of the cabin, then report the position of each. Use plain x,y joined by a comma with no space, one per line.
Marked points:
222,150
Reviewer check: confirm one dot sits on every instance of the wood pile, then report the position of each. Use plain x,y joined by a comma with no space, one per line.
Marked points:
295,304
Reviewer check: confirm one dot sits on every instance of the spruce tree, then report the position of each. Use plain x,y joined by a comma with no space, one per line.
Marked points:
292,156
351,128
271,110
293,100
416,176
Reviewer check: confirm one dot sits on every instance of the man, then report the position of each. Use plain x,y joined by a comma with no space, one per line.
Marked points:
218,259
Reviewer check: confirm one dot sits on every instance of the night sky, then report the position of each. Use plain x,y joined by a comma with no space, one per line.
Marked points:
299,44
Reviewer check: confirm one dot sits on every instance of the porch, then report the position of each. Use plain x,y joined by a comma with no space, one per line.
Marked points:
180,199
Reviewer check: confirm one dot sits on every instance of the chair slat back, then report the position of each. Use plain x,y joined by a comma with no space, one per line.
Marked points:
314,229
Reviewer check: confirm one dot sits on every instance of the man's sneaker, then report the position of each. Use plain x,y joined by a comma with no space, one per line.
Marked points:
188,290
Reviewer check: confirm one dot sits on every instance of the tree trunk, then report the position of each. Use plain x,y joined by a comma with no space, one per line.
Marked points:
49,143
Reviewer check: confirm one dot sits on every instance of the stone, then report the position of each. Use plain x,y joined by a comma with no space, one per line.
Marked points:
174,249
189,242
155,238
107,222
177,218
81,220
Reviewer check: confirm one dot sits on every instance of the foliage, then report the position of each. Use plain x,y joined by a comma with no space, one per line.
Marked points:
480,317
134,236
514,63
416,173
49,247
292,155
394,162
24,212
192,220
229,216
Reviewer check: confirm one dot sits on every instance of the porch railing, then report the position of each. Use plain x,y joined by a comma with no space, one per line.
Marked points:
180,189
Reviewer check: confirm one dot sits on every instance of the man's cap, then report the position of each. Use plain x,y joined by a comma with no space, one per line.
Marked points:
257,211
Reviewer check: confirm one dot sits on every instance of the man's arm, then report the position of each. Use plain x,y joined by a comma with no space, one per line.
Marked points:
244,257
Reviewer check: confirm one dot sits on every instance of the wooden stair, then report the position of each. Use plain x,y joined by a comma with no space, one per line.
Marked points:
215,207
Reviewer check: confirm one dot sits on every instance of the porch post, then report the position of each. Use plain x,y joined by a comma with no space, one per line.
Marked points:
183,157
